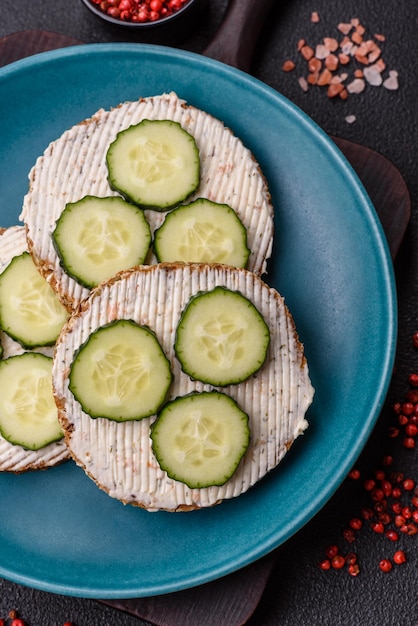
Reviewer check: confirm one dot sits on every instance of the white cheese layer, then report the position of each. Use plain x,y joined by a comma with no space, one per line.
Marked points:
75,165
118,456
15,458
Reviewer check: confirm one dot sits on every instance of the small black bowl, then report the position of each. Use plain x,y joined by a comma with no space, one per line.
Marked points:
174,27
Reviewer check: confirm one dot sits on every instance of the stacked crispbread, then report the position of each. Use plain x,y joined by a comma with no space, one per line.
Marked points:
118,456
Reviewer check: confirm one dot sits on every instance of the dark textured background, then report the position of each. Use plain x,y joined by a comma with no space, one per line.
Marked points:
298,592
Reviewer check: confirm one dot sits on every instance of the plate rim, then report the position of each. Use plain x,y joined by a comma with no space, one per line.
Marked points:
384,380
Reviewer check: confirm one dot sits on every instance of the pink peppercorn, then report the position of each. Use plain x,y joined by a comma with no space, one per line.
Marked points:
399,557
377,527
354,569
331,551
413,380
338,561
392,535
356,523
385,565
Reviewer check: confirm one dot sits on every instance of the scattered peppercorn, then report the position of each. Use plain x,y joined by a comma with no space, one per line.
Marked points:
392,535
399,557
385,565
354,569
331,551
356,523
393,495
338,561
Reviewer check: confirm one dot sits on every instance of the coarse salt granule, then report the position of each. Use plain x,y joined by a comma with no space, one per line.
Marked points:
391,82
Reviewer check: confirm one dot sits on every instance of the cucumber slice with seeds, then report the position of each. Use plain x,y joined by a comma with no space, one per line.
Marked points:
221,338
30,311
97,237
120,373
201,438
154,164
28,414
202,232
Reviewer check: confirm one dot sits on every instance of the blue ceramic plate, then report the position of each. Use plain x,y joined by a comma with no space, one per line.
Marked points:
330,262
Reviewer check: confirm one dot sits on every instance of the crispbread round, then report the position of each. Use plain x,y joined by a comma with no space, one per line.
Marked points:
118,456
16,458
75,165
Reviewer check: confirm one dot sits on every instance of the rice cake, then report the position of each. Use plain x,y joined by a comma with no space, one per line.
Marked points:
117,456
74,166
15,458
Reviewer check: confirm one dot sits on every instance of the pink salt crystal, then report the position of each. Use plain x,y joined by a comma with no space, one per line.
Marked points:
321,51
331,43
350,119
373,76
339,78
380,65
370,45
344,28
315,17
303,83
374,54
307,52
356,86
344,59
347,48
363,48
391,82
331,62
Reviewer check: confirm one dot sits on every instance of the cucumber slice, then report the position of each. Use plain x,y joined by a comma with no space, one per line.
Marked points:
28,414
30,311
201,438
202,232
97,237
120,373
154,164
221,338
